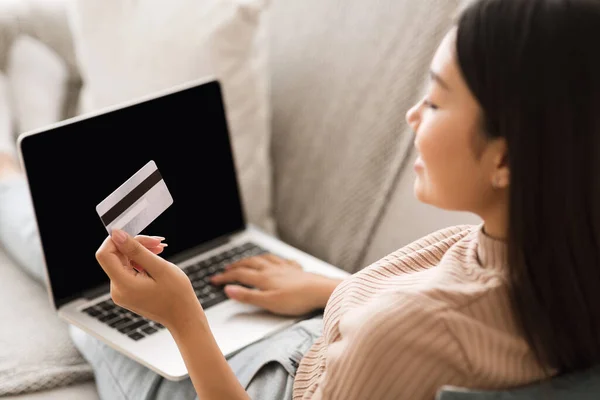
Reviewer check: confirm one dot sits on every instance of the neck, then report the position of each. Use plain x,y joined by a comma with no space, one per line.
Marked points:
495,221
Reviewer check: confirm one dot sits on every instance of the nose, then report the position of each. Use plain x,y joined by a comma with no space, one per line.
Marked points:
413,116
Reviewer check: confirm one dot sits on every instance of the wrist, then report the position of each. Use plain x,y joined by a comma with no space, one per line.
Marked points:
323,289
192,319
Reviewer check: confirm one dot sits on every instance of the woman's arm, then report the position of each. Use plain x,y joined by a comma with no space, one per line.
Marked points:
210,373
162,292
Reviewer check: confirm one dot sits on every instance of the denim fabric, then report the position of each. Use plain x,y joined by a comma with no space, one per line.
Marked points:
18,228
265,369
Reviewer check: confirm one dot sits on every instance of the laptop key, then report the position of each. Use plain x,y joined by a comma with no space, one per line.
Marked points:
245,246
92,311
198,284
195,276
108,317
212,260
149,330
136,336
193,269
218,298
133,326
202,273
132,315
120,322
105,305
229,253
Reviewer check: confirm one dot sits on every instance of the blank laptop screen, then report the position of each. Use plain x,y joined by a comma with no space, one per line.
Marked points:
72,168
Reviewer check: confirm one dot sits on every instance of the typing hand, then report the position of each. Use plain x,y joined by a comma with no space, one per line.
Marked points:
278,285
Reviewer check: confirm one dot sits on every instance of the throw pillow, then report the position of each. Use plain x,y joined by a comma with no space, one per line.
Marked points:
127,49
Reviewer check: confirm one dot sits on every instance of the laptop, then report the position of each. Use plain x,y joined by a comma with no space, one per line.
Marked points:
73,165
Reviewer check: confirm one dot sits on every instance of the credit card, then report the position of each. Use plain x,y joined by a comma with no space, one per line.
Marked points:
137,202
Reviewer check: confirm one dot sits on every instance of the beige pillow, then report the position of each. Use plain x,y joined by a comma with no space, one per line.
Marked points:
344,73
128,49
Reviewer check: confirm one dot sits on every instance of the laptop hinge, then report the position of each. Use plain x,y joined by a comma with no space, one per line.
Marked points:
97,291
202,248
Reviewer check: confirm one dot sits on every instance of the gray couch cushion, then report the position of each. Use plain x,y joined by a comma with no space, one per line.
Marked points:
583,385
35,349
343,76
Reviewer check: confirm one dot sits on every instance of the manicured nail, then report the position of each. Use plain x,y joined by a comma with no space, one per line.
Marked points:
163,245
119,236
158,238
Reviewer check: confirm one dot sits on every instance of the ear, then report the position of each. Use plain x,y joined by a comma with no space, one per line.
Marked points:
500,177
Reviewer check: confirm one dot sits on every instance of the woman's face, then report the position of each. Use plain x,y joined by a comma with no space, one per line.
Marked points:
456,164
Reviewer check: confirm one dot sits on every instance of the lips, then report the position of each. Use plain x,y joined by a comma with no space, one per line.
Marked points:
419,164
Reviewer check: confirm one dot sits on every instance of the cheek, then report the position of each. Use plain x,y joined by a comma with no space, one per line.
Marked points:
439,144
448,178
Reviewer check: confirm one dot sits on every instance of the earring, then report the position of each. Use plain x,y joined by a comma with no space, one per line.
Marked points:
496,183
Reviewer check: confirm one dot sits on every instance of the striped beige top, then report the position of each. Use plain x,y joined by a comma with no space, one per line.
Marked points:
433,313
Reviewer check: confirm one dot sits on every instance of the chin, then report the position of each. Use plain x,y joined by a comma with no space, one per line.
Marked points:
419,191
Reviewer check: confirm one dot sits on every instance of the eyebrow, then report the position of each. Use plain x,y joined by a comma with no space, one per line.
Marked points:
436,77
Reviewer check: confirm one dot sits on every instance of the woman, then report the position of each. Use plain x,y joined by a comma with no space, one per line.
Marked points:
509,130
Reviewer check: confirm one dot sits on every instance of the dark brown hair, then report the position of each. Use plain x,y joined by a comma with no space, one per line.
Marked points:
534,67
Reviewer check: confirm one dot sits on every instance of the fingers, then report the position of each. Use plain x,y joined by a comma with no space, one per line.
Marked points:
273,258
263,261
245,276
159,249
152,243
149,241
248,296
281,261
133,249
109,258
255,262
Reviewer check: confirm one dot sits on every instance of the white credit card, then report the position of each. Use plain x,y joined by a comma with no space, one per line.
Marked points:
137,202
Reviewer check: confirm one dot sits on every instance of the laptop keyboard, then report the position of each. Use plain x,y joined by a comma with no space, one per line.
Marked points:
137,327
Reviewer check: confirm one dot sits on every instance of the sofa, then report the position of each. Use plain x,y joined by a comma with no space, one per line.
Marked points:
341,77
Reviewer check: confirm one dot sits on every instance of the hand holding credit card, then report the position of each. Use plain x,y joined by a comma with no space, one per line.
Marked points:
137,202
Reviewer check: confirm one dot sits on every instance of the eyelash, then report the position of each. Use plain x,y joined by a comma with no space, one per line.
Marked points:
430,104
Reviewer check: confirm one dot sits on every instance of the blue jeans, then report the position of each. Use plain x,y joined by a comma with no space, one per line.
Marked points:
266,369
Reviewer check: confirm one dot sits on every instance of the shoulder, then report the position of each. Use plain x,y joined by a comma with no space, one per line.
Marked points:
417,256
406,335
398,310
442,239
425,252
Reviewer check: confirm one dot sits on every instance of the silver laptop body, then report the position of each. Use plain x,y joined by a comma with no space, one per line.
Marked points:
233,324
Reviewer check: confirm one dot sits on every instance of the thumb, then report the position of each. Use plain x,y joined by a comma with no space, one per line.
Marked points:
136,252
244,295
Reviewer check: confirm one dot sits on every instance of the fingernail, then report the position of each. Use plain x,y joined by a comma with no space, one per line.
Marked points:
163,245
158,238
214,278
231,290
119,236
